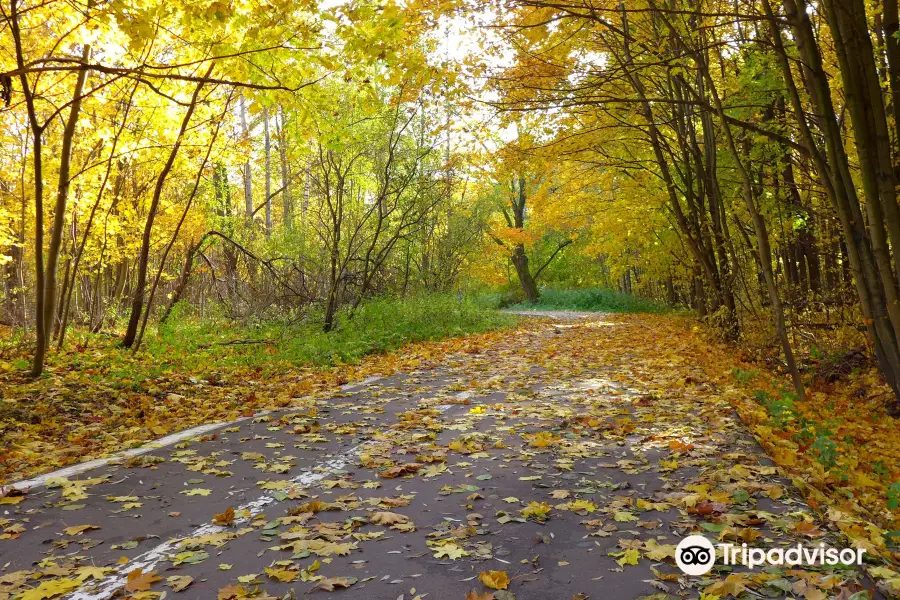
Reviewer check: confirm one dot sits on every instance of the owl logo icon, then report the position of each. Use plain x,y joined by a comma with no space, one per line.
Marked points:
695,555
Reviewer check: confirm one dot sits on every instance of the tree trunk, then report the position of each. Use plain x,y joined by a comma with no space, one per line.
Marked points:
268,146
286,198
248,182
520,262
50,270
762,235
137,303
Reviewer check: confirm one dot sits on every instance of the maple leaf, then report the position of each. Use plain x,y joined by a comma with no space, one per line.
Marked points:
90,572
656,551
749,535
329,584
282,575
179,582
733,585
387,518
496,580
808,529
190,557
629,557
225,518
449,550
434,470
79,529
138,581
582,507
475,595
51,589
543,439
539,511
231,592
404,469
623,516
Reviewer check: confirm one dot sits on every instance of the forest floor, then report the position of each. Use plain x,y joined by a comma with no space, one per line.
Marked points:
562,459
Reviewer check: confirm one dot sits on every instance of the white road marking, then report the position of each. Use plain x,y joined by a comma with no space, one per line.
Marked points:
366,381
148,560
163,442
168,440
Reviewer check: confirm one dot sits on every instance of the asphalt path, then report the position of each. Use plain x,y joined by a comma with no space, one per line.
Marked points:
513,458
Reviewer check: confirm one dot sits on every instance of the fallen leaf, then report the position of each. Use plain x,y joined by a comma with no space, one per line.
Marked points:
138,581
496,580
329,584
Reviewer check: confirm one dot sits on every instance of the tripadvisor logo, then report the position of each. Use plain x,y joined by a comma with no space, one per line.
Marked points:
696,555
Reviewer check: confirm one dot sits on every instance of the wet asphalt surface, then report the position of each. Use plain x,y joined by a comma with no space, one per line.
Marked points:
457,451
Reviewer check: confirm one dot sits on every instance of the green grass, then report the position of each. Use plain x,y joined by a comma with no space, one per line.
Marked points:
591,299
191,346
377,326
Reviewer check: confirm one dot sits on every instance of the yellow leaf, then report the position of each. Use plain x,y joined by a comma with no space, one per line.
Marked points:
79,529
496,580
537,510
624,516
656,551
282,575
51,589
630,557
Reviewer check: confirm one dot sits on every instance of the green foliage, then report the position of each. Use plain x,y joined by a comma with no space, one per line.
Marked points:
215,345
780,408
377,326
893,496
592,299
743,375
825,450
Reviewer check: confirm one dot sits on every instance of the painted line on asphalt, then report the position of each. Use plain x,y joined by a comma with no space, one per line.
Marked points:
148,560
169,440
162,442
366,381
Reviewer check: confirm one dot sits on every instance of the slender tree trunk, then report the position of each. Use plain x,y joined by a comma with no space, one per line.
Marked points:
137,303
47,273
181,284
287,199
890,27
268,145
762,235
37,131
248,182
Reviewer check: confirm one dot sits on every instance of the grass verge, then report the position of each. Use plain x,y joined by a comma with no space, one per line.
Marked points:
591,299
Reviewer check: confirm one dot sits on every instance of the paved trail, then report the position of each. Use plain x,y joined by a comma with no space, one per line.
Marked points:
559,456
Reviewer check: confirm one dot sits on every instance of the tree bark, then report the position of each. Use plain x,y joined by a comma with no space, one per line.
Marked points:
286,198
137,303
248,182
268,147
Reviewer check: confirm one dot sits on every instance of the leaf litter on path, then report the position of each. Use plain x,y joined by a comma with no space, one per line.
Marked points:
534,464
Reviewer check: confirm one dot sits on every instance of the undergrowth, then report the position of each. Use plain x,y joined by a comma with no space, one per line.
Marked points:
591,299
188,344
